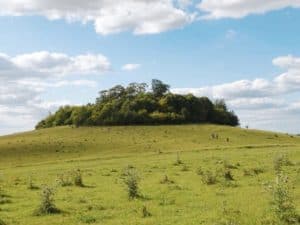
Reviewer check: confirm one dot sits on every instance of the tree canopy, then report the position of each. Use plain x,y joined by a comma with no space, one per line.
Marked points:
134,104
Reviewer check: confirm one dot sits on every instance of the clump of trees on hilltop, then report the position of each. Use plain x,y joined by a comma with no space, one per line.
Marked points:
134,104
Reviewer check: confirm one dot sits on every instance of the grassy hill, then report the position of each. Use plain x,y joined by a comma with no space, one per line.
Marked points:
180,153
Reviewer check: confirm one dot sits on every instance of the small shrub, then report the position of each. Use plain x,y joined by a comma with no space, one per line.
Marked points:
209,178
132,181
64,180
47,205
78,179
283,202
228,176
145,212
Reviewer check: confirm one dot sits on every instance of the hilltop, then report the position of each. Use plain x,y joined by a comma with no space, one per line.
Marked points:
137,105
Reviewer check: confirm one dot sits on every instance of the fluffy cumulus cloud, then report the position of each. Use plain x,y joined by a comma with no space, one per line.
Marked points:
25,78
260,102
139,16
217,9
131,66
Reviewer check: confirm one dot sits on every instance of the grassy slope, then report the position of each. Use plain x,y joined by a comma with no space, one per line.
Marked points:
103,152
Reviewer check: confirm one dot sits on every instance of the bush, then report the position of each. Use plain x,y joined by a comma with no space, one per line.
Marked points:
228,176
64,180
284,207
132,181
208,177
47,205
2,222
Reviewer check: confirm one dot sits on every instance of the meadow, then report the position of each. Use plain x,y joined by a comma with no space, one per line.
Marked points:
185,174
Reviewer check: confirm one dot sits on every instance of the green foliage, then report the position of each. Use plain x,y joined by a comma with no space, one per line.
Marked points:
280,161
208,177
132,181
2,222
134,105
283,202
64,180
159,88
47,205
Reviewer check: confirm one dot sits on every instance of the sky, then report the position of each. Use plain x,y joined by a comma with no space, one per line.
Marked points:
59,52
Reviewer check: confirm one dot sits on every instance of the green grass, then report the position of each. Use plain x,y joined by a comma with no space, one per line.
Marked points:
103,153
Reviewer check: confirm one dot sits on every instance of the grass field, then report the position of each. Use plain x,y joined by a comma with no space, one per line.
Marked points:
181,153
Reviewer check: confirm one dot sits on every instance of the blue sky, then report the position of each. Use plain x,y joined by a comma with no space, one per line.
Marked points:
254,52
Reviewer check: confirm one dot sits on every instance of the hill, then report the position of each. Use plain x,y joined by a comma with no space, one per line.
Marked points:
170,161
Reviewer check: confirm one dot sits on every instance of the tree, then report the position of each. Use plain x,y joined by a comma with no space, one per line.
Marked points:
220,104
80,116
159,88
134,105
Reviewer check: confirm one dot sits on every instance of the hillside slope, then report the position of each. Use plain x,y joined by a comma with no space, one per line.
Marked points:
170,162
63,143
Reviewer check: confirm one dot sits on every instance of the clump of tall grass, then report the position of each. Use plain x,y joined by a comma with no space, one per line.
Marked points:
208,177
47,205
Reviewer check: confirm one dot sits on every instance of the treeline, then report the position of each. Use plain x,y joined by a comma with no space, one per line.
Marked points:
135,104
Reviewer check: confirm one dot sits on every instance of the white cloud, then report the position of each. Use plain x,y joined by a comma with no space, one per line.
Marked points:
260,102
130,67
217,9
25,78
139,16
61,64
